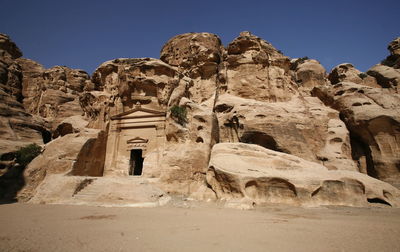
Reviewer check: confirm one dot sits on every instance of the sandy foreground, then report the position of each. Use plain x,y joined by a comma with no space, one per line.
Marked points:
184,227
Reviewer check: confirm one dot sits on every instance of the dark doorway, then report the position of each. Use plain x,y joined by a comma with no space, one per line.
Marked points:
136,163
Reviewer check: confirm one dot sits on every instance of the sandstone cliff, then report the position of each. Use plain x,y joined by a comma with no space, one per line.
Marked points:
322,138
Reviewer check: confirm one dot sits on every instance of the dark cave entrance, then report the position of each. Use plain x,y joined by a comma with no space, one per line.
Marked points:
262,139
136,162
361,152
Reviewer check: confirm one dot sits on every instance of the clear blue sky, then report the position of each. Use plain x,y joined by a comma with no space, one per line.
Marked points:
83,34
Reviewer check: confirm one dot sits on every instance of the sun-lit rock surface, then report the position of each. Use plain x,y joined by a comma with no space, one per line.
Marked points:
250,172
245,124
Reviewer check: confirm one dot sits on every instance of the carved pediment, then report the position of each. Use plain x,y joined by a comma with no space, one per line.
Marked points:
137,140
138,112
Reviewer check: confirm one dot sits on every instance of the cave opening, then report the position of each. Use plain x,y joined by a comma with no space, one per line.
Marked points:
261,139
378,201
46,136
136,162
361,152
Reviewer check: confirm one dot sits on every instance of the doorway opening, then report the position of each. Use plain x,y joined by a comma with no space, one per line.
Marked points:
136,163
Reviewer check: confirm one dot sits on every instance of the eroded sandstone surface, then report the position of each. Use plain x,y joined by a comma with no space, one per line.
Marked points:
256,175
243,124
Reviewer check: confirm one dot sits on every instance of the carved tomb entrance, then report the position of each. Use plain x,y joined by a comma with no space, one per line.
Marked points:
133,143
136,162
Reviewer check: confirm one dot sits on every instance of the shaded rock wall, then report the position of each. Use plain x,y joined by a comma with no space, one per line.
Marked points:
17,127
66,155
52,94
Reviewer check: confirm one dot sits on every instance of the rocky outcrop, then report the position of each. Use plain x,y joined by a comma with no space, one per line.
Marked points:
70,154
249,174
184,172
393,60
371,113
72,124
308,73
254,69
8,49
302,126
387,73
347,72
372,116
52,94
198,56
386,76
17,127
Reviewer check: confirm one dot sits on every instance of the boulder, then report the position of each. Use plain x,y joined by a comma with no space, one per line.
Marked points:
256,175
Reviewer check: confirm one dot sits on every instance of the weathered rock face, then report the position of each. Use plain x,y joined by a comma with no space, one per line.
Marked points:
393,60
370,110
75,154
122,83
302,126
243,124
8,49
308,73
184,172
72,124
347,72
192,51
386,76
54,93
251,174
198,56
394,47
387,73
17,127
254,69
372,116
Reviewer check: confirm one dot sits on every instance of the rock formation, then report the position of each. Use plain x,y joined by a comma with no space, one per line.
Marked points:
308,73
254,175
52,94
347,72
17,126
242,124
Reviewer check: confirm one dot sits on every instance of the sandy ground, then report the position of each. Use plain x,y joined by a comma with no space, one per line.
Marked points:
26,227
